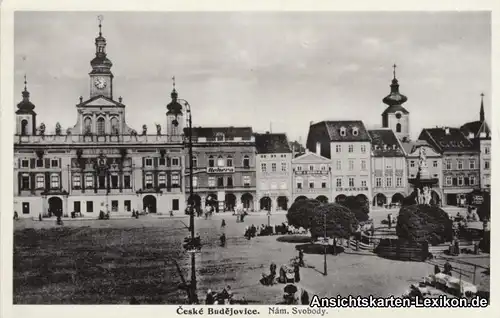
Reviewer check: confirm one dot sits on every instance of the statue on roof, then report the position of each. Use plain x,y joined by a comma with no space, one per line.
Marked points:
144,130
58,129
158,129
41,129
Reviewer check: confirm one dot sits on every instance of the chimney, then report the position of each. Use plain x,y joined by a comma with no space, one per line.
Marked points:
318,148
471,135
446,130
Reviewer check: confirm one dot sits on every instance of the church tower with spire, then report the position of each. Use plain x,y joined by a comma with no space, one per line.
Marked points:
25,114
101,78
175,118
395,116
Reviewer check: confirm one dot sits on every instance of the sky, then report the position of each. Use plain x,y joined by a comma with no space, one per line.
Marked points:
275,71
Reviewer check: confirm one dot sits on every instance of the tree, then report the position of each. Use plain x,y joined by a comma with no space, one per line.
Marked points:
484,210
340,221
419,223
358,206
301,212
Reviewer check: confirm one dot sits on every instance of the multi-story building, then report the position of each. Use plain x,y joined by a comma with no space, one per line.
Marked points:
274,172
480,135
223,168
389,175
311,177
100,163
434,164
461,170
348,145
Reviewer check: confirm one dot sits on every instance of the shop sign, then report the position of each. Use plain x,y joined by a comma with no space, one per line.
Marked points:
220,169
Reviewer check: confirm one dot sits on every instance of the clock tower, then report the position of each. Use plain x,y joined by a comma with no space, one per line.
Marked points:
101,78
395,116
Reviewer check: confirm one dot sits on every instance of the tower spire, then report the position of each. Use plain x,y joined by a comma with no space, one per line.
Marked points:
174,92
394,71
481,111
25,83
100,18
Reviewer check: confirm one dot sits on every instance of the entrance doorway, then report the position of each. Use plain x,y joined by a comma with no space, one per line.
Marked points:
149,204
56,206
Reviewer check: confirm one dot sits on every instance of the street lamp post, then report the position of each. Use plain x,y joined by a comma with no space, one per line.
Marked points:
193,295
325,242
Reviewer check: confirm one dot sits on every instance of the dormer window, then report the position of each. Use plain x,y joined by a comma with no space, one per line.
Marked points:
355,131
219,137
385,147
342,131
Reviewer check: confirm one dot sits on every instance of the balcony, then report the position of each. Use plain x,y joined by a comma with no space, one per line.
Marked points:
96,139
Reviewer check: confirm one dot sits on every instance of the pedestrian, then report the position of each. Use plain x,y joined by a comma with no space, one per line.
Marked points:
209,300
304,298
301,258
223,224
296,270
389,220
436,269
223,240
447,268
16,216
171,213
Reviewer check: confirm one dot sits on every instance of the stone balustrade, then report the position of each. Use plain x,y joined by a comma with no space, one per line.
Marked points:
97,139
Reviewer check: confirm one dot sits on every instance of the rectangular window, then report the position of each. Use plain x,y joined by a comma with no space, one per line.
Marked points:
363,183
229,181
175,161
25,163
148,180
40,182
299,184
283,166
399,182
211,182
338,165
126,182
435,164
311,184
363,165
460,180
486,150
351,148
338,148
263,167
175,204
448,164
101,182
77,182
127,204
162,162
26,208
90,206
388,182
472,180
54,181
175,180
54,163
220,181
246,180
412,163
25,182
311,167
323,185
339,182
487,165
460,165
363,148
195,181
89,181
114,205
351,165
162,180
273,167
229,162
351,182
449,181
378,182
114,181
77,206
148,162
39,163
472,164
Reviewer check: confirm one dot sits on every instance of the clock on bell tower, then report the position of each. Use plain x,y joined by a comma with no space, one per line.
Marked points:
101,78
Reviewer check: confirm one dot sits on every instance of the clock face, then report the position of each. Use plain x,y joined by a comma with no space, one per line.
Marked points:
398,115
100,82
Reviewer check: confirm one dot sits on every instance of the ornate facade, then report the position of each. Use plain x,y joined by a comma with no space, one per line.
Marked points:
100,163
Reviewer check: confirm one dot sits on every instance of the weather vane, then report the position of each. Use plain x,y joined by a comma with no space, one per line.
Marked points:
394,71
100,18
173,80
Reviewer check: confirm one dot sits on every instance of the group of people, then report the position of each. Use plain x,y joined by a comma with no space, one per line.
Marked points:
225,297
447,269
250,231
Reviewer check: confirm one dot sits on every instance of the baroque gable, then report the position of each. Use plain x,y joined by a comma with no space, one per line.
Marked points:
100,101
429,151
310,157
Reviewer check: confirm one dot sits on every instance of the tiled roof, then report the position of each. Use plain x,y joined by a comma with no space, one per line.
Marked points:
354,130
476,127
439,139
385,143
228,132
272,143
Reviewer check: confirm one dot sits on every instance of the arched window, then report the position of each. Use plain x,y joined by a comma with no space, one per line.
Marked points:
342,131
195,162
24,127
87,125
211,161
246,161
229,161
398,127
220,161
115,130
101,128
